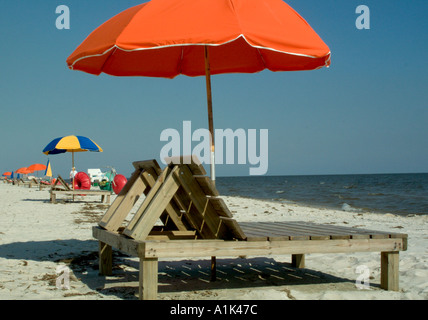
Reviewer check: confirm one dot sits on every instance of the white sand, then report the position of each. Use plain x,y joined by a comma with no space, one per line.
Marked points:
37,237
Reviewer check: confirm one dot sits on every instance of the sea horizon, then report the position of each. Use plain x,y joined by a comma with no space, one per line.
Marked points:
396,193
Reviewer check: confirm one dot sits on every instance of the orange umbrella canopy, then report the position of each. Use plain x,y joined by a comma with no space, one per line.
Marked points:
24,170
165,38
37,167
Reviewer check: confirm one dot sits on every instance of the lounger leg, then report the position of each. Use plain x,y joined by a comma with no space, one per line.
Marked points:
213,269
148,278
105,259
298,260
389,270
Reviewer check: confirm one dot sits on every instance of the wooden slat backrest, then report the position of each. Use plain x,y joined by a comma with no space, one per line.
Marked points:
143,179
180,196
153,207
124,202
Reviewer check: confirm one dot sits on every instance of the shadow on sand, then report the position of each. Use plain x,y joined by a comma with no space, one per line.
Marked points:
174,276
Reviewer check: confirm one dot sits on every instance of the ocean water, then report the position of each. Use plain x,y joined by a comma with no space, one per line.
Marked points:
403,194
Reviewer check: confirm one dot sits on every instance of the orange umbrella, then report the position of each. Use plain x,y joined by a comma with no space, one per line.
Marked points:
7,174
37,167
165,38
24,170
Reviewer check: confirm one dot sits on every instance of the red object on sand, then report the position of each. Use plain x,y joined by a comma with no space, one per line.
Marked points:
82,181
119,182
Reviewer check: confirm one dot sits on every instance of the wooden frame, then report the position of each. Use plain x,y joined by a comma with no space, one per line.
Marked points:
105,194
149,252
197,223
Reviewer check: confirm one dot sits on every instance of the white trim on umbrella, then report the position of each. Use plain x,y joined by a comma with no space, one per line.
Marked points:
200,44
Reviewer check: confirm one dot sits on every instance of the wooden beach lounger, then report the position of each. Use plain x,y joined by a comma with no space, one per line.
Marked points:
195,222
61,187
105,194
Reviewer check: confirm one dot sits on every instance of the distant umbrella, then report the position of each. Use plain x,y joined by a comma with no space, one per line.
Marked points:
37,167
48,172
24,170
71,144
7,174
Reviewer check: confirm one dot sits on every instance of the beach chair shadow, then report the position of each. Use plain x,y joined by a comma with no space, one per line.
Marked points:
177,277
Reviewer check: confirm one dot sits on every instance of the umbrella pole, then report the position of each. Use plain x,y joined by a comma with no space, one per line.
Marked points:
72,170
212,144
210,112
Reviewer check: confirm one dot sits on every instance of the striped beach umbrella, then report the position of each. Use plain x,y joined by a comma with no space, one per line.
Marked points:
71,144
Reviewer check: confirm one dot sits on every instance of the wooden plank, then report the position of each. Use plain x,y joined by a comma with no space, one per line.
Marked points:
389,279
220,207
271,235
154,188
353,232
234,228
208,248
83,192
148,286
151,173
159,199
113,219
53,197
119,198
192,216
207,186
172,210
147,165
335,232
192,162
116,240
292,234
175,233
298,260
105,262
59,184
200,201
295,230
171,235
105,195
252,233
63,183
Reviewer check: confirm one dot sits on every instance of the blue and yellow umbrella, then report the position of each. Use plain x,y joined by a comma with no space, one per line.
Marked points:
71,144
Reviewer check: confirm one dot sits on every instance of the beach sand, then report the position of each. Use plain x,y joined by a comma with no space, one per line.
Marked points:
39,240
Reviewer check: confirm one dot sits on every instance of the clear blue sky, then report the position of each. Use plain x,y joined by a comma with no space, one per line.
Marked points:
367,113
